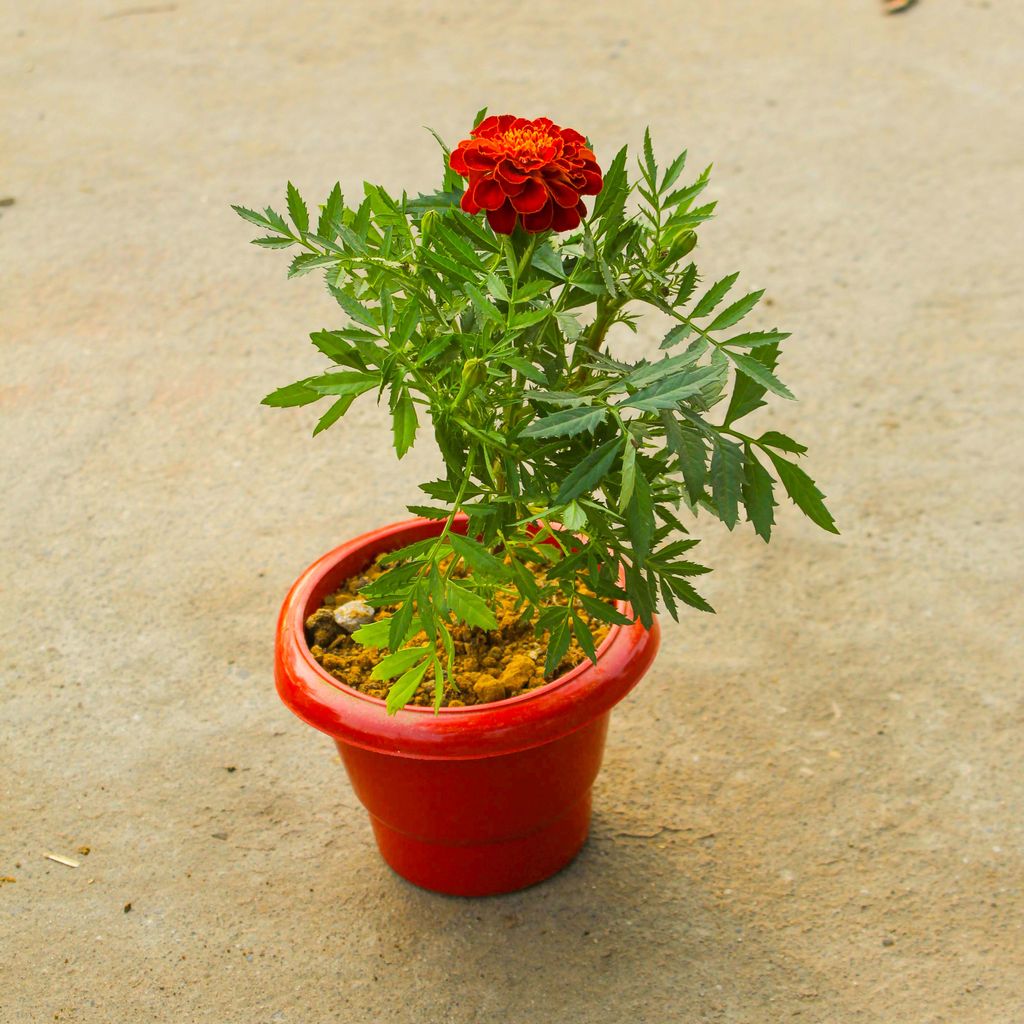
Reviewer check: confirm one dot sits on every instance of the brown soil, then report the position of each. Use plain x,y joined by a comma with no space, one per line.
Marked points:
489,665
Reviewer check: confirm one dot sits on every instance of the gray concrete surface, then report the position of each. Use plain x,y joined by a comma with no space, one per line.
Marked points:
811,809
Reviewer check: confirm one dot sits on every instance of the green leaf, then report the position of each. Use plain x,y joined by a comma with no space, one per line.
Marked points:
573,517
486,309
297,209
404,689
747,393
569,326
566,422
344,382
399,625
585,475
688,446
726,479
754,338
373,634
603,610
667,393
714,295
404,421
758,372
628,473
299,393
774,439
273,242
559,638
528,370
650,168
758,495
397,663
736,312
469,607
252,216
675,335
496,287
330,215
687,283
528,318
803,492
353,307
336,411
276,221
613,192
478,558
674,170
545,259
661,368
640,517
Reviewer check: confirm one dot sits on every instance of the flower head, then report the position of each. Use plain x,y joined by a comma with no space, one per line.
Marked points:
533,172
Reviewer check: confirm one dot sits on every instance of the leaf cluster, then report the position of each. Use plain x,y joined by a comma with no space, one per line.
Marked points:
559,454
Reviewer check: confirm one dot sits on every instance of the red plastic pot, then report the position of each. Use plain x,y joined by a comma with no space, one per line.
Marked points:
468,801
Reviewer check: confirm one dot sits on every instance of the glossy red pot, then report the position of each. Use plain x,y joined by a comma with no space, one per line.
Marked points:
468,801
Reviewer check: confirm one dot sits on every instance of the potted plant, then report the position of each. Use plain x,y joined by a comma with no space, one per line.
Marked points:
466,661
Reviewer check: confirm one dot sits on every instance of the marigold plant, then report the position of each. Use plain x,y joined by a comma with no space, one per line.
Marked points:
495,330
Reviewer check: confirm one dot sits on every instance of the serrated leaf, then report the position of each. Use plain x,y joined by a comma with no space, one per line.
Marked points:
674,170
469,607
353,307
586,474
486,309
345,382
559,638
737,311
758,372
758,496
299,393
669,392
496,287
478,558
527,369
640,517
398,662
404,422
613,192
336,411
603,610
404,689
297,209
752,339
688,446
546,259
251,216
373,634
569,326
747,393
774,439
628,474
726,479
273,242
649,166
803,492
714,295
399,625
566,422
330,215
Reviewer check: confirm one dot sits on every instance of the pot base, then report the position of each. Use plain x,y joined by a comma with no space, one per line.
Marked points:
487,869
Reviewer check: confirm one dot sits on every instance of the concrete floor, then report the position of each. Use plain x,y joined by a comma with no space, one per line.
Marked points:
811,809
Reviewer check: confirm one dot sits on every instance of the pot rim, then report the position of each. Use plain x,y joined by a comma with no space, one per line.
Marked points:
516,723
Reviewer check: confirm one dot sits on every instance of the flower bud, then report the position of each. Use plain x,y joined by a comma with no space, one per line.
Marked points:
474,373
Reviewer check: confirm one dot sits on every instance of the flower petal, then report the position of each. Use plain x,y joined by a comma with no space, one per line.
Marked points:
475,159
457,162
563,194
566,218
507,171
534,223
532,198
466,202
487,194
503,220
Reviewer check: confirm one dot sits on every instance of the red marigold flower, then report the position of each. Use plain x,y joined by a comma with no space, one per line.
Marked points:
533,172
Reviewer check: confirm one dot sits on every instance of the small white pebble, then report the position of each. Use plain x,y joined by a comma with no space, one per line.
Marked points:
353,614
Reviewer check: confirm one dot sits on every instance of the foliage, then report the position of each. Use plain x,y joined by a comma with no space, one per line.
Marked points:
557,452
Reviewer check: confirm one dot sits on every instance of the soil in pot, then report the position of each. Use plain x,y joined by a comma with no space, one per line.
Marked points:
489,665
